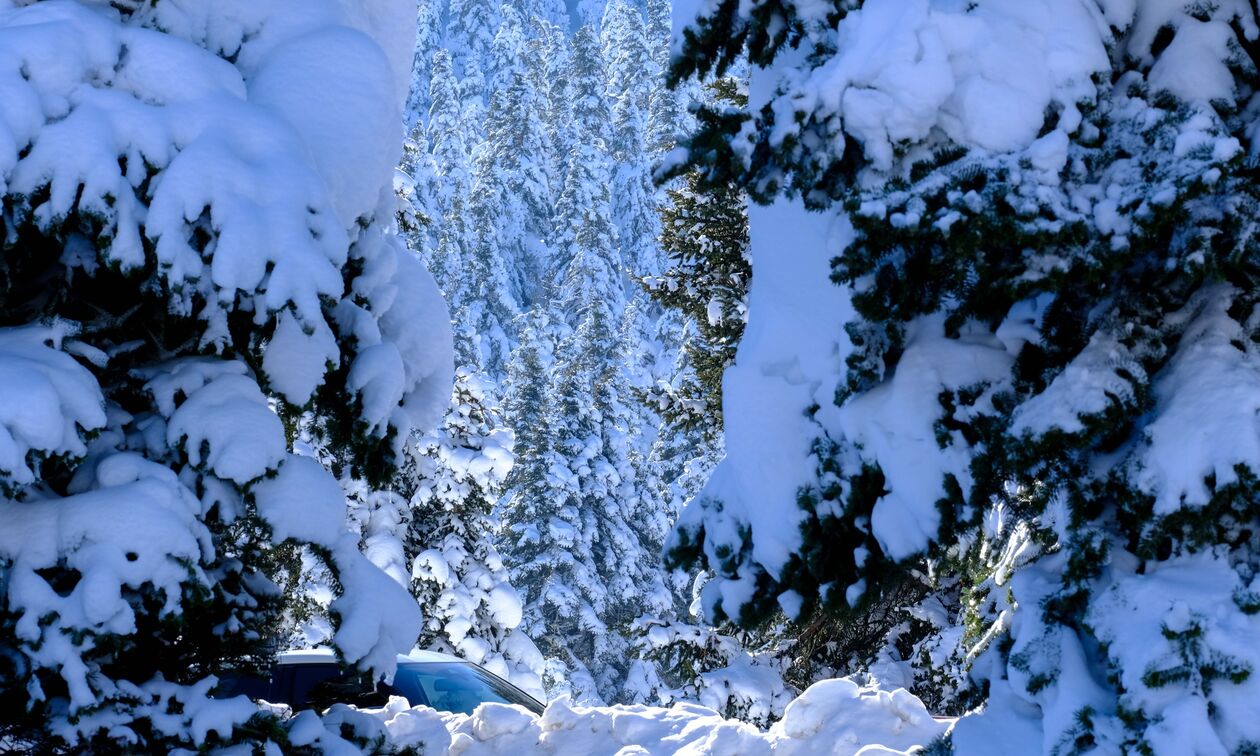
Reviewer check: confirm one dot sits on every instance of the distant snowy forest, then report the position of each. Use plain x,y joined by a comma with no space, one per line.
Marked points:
859,376
580,423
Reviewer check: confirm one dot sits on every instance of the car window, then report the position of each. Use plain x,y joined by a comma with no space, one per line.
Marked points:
355,689
457,687
303,678
243,684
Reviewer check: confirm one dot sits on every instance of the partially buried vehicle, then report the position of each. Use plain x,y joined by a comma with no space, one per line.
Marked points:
315,680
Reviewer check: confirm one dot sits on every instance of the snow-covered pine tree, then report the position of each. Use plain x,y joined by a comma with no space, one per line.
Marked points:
533,536
665,115
418,185
650,488
554,13
589,533
450,156
527,409
516,156
487,302
429,32
681,661
457,575
470,29
589,113
704,292
578,559
628,65
704,236
589,135
506,52
548,60
197,247
545,61
1055,333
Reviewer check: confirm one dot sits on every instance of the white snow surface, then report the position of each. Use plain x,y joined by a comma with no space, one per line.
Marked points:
791,356
280,156
835,717
984,73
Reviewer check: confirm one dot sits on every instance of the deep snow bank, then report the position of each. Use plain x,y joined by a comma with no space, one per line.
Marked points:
834,717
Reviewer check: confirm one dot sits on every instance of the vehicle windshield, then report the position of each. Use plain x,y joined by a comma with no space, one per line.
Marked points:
456,687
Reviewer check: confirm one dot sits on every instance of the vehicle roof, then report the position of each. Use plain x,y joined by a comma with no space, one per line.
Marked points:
326,656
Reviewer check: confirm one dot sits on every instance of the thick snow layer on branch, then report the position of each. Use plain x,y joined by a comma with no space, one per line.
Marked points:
790,357
229,418
251,180
377,615
1208,398
893,424
48,399
303,501
1176,627
985,73
135,525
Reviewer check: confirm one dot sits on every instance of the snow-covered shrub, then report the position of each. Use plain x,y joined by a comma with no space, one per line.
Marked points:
682,661
1041,213
197,246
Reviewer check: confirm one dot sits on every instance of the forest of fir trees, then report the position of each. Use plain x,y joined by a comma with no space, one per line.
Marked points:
594,311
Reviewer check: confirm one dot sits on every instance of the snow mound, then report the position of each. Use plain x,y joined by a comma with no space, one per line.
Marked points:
835,717
845,717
